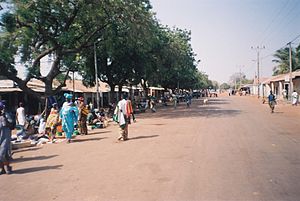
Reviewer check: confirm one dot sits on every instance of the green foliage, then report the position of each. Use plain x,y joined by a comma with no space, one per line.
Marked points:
135,44
225,86
282,60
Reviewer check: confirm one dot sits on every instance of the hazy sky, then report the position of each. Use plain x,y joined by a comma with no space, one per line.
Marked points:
223,31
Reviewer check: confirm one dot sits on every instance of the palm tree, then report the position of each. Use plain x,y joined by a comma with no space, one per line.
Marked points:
297,58
282,60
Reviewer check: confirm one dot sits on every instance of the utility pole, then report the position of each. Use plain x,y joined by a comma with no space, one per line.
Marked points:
178,81
240,67
234,83
258,48
291,70
96,76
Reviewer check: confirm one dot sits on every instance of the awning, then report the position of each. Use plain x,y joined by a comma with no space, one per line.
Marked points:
6,90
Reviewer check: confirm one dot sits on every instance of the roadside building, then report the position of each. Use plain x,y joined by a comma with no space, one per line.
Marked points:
280,84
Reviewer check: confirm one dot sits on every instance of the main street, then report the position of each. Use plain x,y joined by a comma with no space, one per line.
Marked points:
233,148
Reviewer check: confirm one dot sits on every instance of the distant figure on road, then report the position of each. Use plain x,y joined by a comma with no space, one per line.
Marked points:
284,94
294,98
175,100
188,99
272,101
152,104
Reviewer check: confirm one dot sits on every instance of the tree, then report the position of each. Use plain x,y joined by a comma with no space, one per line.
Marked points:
225,86
238,79
282,59
174,59
123,49
133,46
63,29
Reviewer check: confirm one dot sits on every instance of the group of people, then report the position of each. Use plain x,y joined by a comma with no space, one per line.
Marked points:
72,114
272,100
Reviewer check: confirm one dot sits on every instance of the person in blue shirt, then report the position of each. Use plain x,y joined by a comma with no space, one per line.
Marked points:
272,101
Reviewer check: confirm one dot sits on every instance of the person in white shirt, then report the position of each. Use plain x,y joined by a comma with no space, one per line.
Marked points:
20,118
294,98
20,115
121,112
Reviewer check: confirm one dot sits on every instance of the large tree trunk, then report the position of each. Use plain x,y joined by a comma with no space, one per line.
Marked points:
111,94
120,92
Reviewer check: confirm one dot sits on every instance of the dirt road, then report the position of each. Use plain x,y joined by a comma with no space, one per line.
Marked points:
233,148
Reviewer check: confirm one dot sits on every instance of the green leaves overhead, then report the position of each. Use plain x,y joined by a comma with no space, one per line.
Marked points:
282,60
131,39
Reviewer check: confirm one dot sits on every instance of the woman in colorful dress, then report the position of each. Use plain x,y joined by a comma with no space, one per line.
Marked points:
69,116
52,121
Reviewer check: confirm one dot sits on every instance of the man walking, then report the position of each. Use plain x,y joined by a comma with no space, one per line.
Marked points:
272,101
123,112
294,98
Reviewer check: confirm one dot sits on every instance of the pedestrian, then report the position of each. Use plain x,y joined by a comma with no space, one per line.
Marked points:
175,100
294,98
122,117
21,119
83,112
52,122
284,94
130,111
188,99
5,140
69,116
272,101
152,104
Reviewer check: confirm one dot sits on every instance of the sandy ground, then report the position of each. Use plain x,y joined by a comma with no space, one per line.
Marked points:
233,148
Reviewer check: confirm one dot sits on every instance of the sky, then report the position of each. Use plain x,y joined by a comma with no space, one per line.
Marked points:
223,32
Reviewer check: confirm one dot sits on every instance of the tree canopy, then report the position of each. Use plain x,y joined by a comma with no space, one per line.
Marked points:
130,44
282,60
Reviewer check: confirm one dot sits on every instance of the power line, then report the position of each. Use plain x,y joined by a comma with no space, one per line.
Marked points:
282,23
273,20
295,38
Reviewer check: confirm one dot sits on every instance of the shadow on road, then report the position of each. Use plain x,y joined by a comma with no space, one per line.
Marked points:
88,139
98,132
143,137
26,149
37,169
22,159
213,109
217,102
